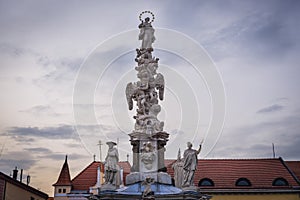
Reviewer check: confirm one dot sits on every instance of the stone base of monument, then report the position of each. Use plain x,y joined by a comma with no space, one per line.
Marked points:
159,190
159,177
108,187
190,188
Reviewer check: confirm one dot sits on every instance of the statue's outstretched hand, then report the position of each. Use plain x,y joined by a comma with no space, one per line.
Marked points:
201,143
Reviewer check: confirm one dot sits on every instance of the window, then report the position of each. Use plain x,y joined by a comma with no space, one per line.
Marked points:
59,190
206,182
64,190
280,182
242,182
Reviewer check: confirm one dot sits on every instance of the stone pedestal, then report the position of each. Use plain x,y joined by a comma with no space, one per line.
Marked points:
148,151
159,177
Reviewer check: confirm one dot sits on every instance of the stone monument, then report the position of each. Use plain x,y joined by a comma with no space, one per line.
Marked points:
178,170
111,168
148,178
190,160
148,139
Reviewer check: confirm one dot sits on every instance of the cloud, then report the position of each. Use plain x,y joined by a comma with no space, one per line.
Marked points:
270,109
61,156
256,140
21,159
38,109
38,150
6,48
55,132
45,153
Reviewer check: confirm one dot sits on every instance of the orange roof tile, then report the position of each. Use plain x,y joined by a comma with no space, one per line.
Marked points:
88,177
125,165
225,172
295,167
64,176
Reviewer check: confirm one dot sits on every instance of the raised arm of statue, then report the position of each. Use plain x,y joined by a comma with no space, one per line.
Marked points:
199,149
200,146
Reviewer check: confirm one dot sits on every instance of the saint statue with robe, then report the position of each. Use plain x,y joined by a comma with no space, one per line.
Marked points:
190,160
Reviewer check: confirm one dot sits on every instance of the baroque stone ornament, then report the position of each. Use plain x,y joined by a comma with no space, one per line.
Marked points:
148,193
147,138
149,89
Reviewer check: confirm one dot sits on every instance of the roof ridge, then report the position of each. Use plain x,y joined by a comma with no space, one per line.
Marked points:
99,162
231,159
237,159
23,185
64,177
289,170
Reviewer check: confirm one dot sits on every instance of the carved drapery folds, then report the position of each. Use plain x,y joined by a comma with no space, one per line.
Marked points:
146,92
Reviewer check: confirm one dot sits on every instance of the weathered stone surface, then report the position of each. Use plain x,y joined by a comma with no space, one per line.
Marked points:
159,177
109,187
150,86
190,159
141,153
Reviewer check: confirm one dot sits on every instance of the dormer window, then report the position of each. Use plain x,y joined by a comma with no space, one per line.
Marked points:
243,182
280,182
206,182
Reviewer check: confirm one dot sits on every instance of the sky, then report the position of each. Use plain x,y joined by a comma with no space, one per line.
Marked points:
60,98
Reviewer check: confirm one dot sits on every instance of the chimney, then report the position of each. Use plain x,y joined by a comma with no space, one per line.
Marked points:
21,175
28,179
15,173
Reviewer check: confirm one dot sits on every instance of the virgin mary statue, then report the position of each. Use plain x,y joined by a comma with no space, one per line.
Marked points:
146,34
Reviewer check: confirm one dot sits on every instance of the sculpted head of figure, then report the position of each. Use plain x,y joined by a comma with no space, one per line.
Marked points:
189,145
111,144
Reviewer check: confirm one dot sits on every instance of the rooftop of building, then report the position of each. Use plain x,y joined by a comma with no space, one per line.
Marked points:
242,173
64,178
88,176
294,167
218,174
22,185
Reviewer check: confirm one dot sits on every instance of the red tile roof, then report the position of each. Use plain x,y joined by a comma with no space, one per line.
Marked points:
295,167
88,177
64,176
225,172
125,165
169,162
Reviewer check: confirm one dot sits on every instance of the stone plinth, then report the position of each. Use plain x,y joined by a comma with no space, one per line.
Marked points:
148,151
159,177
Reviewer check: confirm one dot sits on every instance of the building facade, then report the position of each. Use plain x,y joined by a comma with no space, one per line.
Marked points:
12,189
87,182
